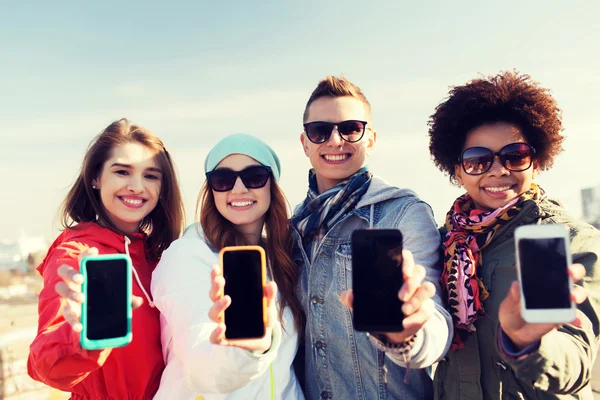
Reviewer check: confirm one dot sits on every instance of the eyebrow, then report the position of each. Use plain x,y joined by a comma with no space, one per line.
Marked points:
153,169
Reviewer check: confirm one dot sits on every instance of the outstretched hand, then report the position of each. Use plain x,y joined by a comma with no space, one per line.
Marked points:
220,304
69,290
523,333
416,294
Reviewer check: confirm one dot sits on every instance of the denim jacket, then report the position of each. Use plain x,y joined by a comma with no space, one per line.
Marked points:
340,362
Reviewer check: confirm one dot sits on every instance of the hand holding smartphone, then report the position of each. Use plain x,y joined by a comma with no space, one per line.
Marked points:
376,280
107,307
543,258
243,269
69,290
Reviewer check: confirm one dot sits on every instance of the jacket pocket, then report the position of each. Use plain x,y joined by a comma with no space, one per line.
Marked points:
509,388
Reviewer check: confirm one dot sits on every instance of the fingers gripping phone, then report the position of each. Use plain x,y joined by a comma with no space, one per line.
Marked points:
543,258
106,310
376,280
244,272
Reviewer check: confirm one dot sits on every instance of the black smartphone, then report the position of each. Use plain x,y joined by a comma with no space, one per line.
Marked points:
376,280
244,272
106,310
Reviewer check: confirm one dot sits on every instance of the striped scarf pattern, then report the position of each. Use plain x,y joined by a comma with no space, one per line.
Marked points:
319,212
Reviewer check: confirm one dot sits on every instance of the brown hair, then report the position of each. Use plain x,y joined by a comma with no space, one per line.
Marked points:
508,97
163,224
220,232
332,86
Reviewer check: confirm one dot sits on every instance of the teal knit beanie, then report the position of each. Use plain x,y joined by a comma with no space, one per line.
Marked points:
241,143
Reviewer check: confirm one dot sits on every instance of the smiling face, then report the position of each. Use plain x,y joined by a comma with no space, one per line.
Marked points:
498,186
245,208
129,185
335,160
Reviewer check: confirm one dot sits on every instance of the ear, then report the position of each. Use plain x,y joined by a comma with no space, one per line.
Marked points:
304,140
536,168
95,184
371,140
458,174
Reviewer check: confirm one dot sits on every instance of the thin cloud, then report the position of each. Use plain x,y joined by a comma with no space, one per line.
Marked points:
234,105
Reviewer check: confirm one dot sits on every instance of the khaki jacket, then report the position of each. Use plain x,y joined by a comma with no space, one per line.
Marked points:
561,367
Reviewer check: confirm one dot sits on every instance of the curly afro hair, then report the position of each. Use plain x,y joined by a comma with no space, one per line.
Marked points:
506,97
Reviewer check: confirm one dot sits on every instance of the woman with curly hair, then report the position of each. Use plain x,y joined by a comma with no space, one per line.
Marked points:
492,136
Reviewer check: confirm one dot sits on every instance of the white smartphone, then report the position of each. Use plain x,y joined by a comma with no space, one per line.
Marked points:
543,258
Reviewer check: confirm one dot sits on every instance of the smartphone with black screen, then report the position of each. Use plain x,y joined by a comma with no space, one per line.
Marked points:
106,310
376,280
244,273
543,258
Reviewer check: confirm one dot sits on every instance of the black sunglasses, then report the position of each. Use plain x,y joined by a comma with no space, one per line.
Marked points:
223,179
514,157
320,131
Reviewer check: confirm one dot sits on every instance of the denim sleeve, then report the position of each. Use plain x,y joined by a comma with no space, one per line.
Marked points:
422,238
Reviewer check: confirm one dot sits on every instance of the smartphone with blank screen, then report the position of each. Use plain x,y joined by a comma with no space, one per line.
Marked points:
106,310
243,269
376,280
543,258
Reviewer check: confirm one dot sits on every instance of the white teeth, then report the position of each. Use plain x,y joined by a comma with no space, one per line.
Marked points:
497,189
136,202
241,203
338,157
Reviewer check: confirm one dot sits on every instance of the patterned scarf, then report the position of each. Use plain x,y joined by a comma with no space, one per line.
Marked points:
319,212
469,231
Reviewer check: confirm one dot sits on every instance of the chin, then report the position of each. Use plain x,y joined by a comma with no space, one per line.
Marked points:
493,207
340,175
241,221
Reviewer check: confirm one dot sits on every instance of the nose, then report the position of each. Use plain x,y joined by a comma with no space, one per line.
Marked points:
239,186
498,168
135,184
335,140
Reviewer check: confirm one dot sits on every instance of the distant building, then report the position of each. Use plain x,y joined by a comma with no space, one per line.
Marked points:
31,244
590,201
14,253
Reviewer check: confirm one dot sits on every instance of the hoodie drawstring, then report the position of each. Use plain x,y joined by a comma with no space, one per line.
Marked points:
372,211
137,278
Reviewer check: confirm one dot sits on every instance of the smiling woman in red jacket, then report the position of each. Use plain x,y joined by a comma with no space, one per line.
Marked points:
126,199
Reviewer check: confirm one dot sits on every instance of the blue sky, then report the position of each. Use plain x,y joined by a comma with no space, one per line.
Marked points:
195,72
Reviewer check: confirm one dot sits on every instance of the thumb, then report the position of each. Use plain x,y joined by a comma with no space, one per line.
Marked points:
347,298
136,301
90,252
270,292
513,296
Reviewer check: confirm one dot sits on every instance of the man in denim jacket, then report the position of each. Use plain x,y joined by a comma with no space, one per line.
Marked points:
343,196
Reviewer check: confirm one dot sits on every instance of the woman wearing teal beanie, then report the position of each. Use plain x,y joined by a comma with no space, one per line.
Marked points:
240,203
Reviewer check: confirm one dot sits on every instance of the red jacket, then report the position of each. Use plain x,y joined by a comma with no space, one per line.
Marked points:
57,359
